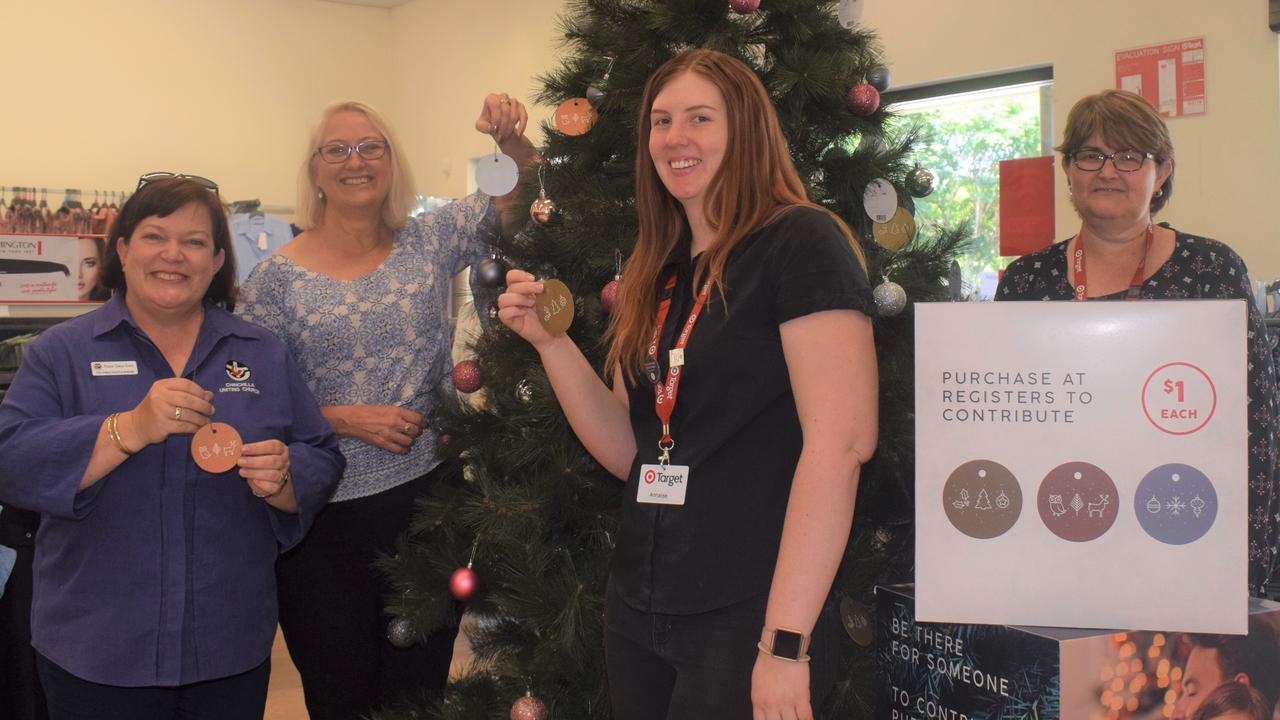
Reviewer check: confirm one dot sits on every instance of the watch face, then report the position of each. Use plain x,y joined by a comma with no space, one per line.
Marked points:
786,644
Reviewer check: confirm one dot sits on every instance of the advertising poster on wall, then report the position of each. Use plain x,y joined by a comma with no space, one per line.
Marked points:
39,268
1082,464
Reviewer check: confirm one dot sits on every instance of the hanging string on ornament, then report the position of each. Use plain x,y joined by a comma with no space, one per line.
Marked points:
609,293
542,210
597,91
890,298
463,581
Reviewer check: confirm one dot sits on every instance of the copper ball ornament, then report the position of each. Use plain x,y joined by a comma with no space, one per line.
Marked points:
467,377
542,210
529,708
462,583
863,99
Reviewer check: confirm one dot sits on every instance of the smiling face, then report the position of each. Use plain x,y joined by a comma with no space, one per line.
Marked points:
169,262
355,182
1108,196
688,135
89,268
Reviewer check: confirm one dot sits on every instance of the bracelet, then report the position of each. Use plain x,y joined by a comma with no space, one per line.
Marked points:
113,432
802,659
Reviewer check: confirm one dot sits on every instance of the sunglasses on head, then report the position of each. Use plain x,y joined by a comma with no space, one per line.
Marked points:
154,176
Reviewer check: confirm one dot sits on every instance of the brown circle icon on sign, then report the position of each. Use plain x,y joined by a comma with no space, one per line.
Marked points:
1078,501
575,116
982,499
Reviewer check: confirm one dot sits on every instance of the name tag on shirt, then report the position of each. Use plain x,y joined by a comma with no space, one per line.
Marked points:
662,485
113,367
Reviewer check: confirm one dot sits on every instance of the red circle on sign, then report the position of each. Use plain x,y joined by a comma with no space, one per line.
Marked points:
1213,392
650,476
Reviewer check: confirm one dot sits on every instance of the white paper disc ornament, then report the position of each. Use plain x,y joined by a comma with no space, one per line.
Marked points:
880,200
496,174
849,13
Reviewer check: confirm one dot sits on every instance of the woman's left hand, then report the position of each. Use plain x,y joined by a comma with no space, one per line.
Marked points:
264,466
503,117
780,689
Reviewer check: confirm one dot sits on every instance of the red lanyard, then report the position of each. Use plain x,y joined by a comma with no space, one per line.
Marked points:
664,395
1135,285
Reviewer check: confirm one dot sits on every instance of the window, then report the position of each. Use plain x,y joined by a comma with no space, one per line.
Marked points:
967,128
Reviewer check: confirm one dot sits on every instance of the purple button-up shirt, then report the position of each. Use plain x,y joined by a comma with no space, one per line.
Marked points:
160,573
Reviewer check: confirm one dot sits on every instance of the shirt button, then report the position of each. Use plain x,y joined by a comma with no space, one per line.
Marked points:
28,536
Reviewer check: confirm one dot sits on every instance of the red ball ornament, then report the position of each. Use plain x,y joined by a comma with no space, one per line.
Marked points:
863,99
609,295
529,708
744,7
462,583
467,377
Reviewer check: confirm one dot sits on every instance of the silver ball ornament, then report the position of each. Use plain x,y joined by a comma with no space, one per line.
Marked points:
890,298
491,272
400,633
524,392
920,182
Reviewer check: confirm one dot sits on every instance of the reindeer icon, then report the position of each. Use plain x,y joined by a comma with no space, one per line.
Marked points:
1099,507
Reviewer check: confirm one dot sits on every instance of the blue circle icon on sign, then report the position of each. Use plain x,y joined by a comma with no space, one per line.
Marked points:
1176,504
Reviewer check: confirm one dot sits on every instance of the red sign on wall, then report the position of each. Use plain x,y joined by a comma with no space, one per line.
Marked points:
1169,75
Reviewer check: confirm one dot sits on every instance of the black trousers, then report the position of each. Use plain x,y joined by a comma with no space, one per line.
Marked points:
239,697
698,667
331,608
21,696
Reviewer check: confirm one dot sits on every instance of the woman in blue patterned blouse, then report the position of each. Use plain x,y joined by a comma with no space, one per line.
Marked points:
361,298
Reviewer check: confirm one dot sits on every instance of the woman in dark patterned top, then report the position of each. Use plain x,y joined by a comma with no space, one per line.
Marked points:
1118,160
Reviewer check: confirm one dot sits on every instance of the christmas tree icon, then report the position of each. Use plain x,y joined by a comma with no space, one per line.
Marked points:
537,509
984,500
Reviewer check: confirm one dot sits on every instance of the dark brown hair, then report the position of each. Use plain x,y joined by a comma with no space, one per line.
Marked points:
161,198
756,182
1232,696
1127,122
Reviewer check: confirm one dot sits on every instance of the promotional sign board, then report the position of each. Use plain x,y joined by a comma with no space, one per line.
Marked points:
1169,75
1076,461
942,671
38,268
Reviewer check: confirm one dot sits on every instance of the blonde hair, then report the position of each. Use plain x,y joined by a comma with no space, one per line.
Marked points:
401,199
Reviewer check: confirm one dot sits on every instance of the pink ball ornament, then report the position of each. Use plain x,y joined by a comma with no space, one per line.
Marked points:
529,708
462,584
609,295
467,377
744,7
863,99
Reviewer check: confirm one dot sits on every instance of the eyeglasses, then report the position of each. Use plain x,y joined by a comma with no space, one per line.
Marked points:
335,153
150,177
1121,160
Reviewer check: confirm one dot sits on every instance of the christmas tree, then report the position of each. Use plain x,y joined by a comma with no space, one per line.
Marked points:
533,523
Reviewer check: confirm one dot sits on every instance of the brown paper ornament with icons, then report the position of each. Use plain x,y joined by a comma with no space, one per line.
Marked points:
858,621
895,234
554,307
216,447
575,116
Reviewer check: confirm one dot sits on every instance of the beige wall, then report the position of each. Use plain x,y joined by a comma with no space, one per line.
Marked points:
96,93
1228,160
110,91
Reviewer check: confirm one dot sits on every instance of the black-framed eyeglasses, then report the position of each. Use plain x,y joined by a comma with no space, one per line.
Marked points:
335,153
1121,160
151,177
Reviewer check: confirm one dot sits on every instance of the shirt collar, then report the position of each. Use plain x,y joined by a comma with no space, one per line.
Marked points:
217,322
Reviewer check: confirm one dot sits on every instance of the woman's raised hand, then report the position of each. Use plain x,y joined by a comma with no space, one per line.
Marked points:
503,117
172,405
516,307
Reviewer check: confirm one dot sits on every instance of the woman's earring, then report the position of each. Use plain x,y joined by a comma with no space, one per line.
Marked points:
320,194
1159,192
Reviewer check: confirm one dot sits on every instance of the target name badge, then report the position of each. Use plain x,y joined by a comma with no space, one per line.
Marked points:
663,485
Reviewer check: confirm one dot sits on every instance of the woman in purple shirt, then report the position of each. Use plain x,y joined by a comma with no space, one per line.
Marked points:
154,582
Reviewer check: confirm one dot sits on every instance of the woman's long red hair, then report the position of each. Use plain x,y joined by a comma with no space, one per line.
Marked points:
755,184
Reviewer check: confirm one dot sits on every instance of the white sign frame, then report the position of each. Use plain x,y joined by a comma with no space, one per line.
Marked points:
1120,353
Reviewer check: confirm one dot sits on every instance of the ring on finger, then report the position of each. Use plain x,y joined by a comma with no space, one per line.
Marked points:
407,428
258,494
177,413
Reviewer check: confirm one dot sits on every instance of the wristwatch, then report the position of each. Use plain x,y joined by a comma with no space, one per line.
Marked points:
786,644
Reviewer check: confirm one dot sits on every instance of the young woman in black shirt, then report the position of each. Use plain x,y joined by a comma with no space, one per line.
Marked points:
742,406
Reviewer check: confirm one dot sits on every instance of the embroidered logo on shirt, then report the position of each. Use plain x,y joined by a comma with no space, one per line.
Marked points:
237,372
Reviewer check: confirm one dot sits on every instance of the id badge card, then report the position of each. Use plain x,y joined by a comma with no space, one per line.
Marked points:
662,485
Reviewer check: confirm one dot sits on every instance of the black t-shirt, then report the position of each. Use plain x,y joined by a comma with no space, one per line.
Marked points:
734,423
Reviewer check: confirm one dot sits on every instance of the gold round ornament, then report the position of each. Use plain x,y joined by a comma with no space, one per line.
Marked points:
897,232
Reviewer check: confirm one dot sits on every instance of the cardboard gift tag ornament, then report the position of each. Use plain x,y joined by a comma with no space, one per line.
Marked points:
216,447
555,307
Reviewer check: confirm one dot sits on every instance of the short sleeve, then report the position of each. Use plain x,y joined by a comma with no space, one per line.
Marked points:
816,268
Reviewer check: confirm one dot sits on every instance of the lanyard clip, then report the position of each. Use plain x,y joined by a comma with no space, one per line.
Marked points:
665,445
